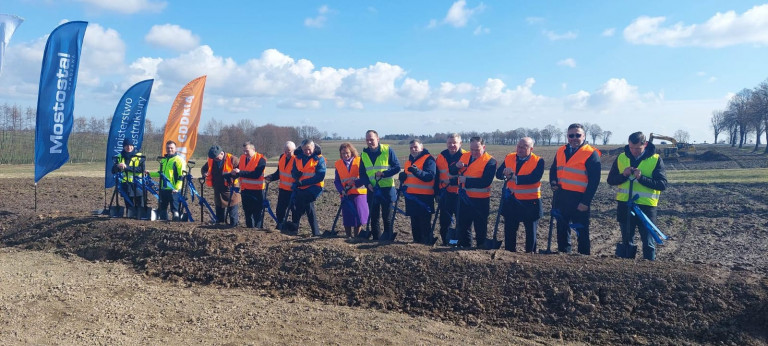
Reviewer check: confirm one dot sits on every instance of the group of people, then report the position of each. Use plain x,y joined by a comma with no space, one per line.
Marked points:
457,180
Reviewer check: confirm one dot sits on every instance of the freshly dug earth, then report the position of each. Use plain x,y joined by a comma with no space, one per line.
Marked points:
708,286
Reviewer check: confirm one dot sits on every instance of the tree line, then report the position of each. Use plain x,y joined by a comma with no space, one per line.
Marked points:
87,141
544,136
745,115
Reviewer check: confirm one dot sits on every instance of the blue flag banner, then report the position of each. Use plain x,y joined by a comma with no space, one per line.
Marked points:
127,123
56,98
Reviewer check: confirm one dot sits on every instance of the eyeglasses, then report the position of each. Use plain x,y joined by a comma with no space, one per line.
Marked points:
574,135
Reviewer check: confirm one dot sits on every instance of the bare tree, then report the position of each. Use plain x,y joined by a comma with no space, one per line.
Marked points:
682,136
717,123
595,131
606,137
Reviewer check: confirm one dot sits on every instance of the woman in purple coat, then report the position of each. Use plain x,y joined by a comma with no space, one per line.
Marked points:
354,205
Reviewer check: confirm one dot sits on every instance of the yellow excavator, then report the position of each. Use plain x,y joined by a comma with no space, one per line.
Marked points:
674,150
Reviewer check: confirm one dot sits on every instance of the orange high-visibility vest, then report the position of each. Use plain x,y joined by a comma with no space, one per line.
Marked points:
475,170
526,191
572,175
415,185
444,175
250,183
348,177
228,166
308,171
284,167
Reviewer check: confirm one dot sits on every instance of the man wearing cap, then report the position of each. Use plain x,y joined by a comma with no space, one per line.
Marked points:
251,174
131,165
283,174
218,174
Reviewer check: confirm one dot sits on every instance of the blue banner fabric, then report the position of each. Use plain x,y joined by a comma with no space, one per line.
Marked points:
127,123
56,98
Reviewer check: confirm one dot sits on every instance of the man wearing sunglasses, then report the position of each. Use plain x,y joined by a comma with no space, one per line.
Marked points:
574,177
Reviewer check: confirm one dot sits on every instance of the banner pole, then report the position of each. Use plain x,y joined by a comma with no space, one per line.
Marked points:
35,199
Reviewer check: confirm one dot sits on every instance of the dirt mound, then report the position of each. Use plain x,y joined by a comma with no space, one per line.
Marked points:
712,155
595,300
709,285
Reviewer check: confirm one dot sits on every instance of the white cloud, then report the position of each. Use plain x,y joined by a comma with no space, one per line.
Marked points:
172,36
608,32
721,30
534,20
320,19
103,54
614,93
495,94
553,36
567,62
459,14
299,104
127,6
375,83
481,30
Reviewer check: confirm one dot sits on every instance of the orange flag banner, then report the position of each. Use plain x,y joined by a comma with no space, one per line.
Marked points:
184,118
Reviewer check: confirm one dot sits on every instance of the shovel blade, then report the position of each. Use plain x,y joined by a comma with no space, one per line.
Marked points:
364,234
626,250
330,234
388,236
116,212
453,237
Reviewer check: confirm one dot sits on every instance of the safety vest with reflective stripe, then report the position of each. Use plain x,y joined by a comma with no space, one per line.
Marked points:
284,168
572,174
228,166
475,170
135,162
415,185
308,171
173,168
348,177
526,191
444,175
648,196
381,165
250,183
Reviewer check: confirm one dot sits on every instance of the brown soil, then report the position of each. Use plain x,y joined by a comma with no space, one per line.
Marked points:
709,284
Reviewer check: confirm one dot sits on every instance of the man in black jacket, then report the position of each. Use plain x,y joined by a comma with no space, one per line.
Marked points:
638,162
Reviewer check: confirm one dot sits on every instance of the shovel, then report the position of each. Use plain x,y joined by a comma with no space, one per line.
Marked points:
552,216
493,244
390,236
453,234
624,249
365,234
333,233
290,227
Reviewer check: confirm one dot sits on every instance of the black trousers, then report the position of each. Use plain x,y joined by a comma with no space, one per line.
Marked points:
474,214
167,198
253,205
447,213
379,208
421,227
305,203
283,201
580,221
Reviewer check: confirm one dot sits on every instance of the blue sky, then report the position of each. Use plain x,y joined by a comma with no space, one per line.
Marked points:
409,66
